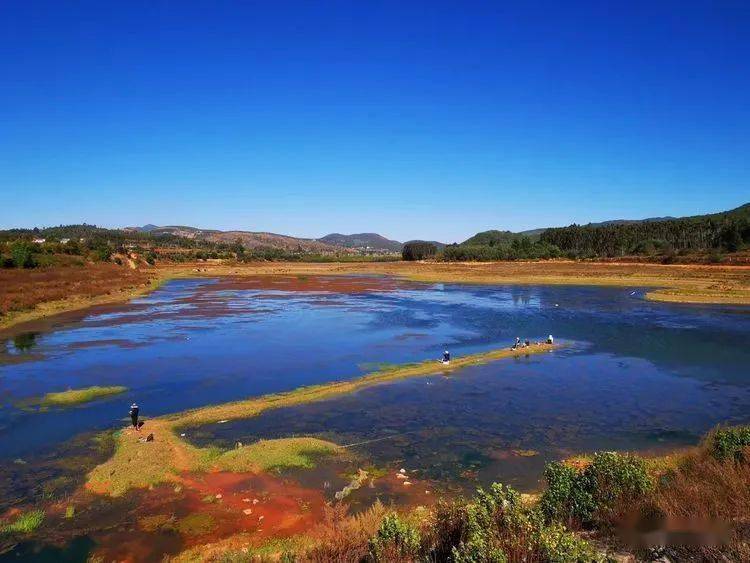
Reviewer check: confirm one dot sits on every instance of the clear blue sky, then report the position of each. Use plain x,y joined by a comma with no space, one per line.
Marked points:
413,119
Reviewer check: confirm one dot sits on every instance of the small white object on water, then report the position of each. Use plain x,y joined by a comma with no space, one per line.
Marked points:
183,434
222,421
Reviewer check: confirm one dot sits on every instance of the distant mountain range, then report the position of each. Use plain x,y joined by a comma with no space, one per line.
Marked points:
249,239
364,241
334,242
376,243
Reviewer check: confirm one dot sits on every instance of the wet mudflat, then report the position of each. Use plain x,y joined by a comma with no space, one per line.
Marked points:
633,375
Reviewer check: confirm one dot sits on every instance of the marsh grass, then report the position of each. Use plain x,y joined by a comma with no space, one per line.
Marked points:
252,407
136,464
266,455
25,523
73,397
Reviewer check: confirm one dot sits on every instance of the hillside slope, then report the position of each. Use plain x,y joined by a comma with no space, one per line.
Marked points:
249,239
368,241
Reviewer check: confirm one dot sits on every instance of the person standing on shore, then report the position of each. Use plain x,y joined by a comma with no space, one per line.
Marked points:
134,415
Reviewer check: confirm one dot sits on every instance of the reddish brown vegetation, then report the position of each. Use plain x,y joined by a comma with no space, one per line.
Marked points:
25,289
704,494
341,537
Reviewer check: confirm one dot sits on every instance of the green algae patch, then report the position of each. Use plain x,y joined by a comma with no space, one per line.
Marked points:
137,463
284,453
156,522
195,524
24,523
73,397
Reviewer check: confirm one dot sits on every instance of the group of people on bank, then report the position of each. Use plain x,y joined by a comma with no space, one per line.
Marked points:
518,344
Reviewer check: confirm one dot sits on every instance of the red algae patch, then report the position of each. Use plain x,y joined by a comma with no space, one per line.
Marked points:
204,508
265,504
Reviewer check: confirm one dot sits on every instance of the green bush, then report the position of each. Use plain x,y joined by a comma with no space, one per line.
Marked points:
498,527
597,494
22,254
394,538
730,443
566,498
102,253
483,517
557,544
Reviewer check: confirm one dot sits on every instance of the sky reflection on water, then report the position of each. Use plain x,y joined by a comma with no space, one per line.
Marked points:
639,374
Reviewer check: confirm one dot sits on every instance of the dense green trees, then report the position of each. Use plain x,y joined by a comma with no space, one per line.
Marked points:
520,248
729,233
418,250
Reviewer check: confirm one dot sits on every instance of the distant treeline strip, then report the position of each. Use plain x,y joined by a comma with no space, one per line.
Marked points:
662,237
668,238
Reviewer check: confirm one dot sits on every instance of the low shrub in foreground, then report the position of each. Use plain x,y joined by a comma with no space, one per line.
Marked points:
394,540
729,443
495,527
599,493
492,527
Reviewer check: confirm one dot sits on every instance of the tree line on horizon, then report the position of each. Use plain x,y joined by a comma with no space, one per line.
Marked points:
74,244
667,238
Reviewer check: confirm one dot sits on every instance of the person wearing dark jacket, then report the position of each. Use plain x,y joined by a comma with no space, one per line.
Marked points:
134,415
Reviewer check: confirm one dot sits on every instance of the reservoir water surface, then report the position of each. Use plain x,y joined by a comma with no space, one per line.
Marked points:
631,375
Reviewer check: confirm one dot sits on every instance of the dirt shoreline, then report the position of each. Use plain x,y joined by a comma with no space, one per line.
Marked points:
700,284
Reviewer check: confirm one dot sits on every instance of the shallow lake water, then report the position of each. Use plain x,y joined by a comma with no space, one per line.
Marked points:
633,374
